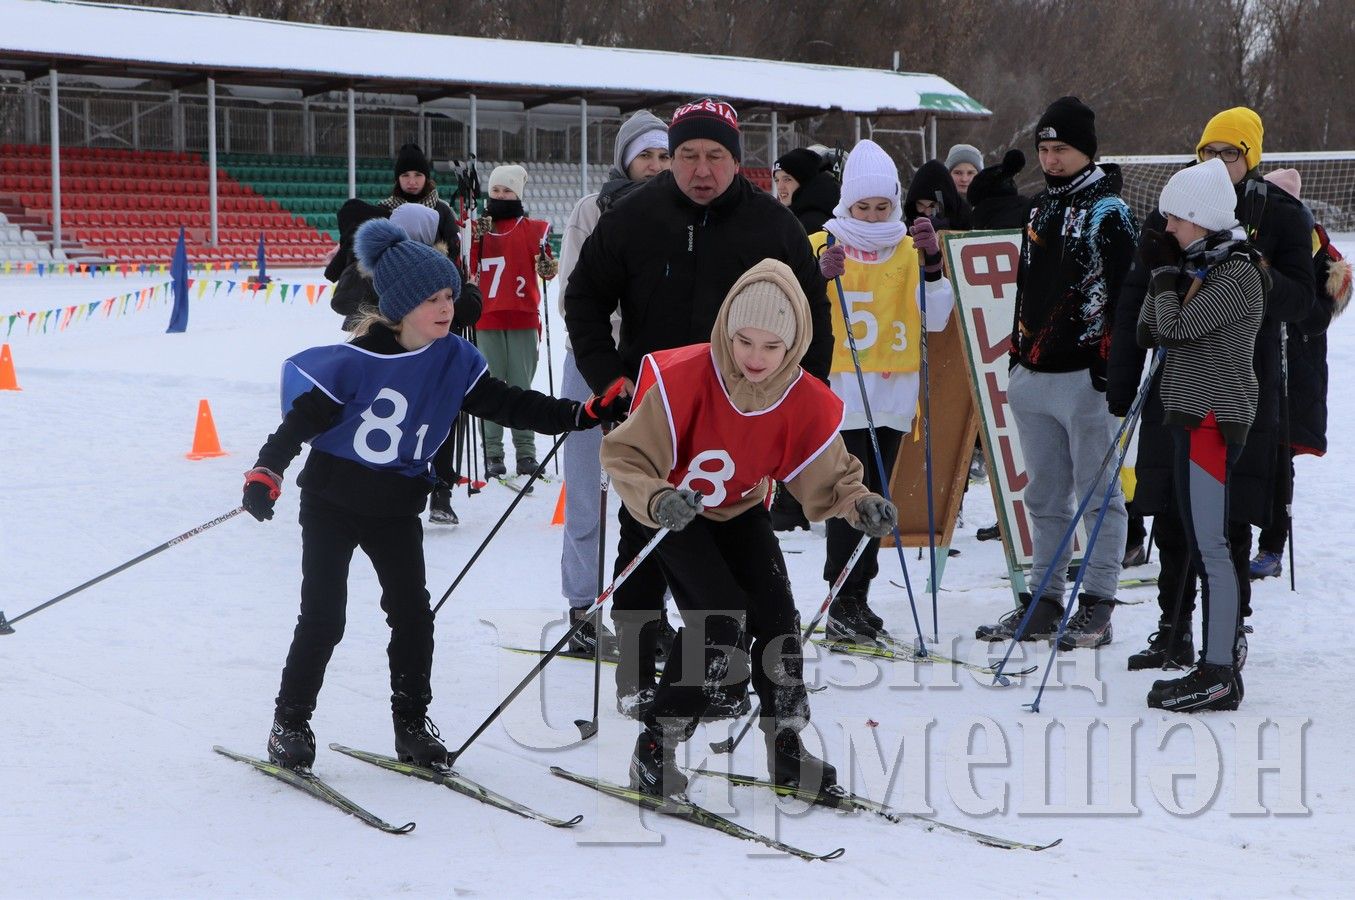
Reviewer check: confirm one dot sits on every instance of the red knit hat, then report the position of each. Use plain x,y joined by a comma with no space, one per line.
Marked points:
710,119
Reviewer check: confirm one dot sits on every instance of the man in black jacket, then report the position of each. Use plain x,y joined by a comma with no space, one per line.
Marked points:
1277,226
1074,254
666,255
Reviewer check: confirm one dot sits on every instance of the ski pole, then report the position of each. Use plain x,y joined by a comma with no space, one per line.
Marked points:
729,743
5,624
927,435
589,727
453,756
1134,410
1288,452
879,459
540,468
1131,420
550,357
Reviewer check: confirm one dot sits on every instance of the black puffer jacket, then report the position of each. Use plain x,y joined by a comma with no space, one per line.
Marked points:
1278,226
668,263
931,182
813,202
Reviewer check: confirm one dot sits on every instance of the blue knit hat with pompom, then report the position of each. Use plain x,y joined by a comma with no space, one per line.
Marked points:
404,272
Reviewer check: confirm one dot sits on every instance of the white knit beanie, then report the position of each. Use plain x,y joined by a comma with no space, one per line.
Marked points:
1202,194
869,172
512,177
762,304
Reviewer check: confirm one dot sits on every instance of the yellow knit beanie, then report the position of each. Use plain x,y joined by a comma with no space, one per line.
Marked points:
1238,126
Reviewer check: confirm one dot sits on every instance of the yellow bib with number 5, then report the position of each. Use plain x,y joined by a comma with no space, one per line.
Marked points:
882,310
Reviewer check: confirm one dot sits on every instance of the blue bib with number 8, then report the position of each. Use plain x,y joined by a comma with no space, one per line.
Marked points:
397,409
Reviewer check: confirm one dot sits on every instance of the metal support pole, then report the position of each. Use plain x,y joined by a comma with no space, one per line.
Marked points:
55,109
856,129
136,125
211,157
931,125
583,147
307,143
774,146
352,145
474,128
270,132
176,121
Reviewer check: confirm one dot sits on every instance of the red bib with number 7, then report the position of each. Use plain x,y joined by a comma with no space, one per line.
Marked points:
506,262
722,452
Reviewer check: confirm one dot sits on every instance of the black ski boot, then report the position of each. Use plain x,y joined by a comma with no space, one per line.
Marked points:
291,743
991,533
585,640
653,766
1206,687
440,510
786,512
790,764
526,465
851,620
494,467
1044,622
1168,647
1090,625
416,740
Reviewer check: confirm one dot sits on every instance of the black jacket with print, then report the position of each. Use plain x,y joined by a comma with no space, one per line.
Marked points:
1078,246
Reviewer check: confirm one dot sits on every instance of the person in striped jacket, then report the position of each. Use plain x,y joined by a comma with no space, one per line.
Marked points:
1204,305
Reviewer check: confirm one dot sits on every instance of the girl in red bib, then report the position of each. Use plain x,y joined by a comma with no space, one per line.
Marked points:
711,426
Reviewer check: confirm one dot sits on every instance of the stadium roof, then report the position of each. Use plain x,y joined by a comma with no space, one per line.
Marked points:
183,48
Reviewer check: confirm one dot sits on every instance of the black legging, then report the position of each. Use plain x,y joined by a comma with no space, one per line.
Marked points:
842,537
727,577
394,544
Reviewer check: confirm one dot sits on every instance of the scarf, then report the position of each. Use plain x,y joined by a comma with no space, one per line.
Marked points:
873,237
400,198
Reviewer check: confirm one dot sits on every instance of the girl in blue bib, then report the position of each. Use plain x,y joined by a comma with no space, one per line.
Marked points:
375,410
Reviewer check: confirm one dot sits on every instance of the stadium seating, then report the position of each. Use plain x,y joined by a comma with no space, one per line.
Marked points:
129,206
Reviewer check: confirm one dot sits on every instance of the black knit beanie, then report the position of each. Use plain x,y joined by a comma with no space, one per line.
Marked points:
802,164
1070,120
411,159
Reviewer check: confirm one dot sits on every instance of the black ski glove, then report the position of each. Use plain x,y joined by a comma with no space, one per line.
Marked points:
263,487
609,409
1159,250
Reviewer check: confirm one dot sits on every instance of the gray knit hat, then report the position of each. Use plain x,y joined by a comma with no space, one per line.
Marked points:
404,272
964,153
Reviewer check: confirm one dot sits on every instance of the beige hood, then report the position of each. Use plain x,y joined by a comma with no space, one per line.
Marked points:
746,396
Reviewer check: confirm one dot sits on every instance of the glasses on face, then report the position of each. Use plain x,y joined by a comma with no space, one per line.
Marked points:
1227,154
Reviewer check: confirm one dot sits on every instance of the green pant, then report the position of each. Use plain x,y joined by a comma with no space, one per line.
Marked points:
512,357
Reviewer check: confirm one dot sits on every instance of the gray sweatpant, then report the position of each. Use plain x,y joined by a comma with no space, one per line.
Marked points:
512,357
583,482
1065,431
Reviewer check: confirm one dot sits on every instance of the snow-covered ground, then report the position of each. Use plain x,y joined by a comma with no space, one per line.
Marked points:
111,701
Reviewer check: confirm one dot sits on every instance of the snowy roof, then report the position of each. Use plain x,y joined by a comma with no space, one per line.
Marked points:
184,47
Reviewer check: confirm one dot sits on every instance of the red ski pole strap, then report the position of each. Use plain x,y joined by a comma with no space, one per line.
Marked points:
261,475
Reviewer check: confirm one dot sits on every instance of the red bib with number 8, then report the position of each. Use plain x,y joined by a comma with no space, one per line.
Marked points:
722,452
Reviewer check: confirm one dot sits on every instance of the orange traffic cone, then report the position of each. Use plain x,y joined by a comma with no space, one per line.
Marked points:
205,443
559,517
7,380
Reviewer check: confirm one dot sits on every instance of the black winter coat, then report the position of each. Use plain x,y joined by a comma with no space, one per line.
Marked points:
933,182
355,293
813,203
1279,230
1308,354
668,263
